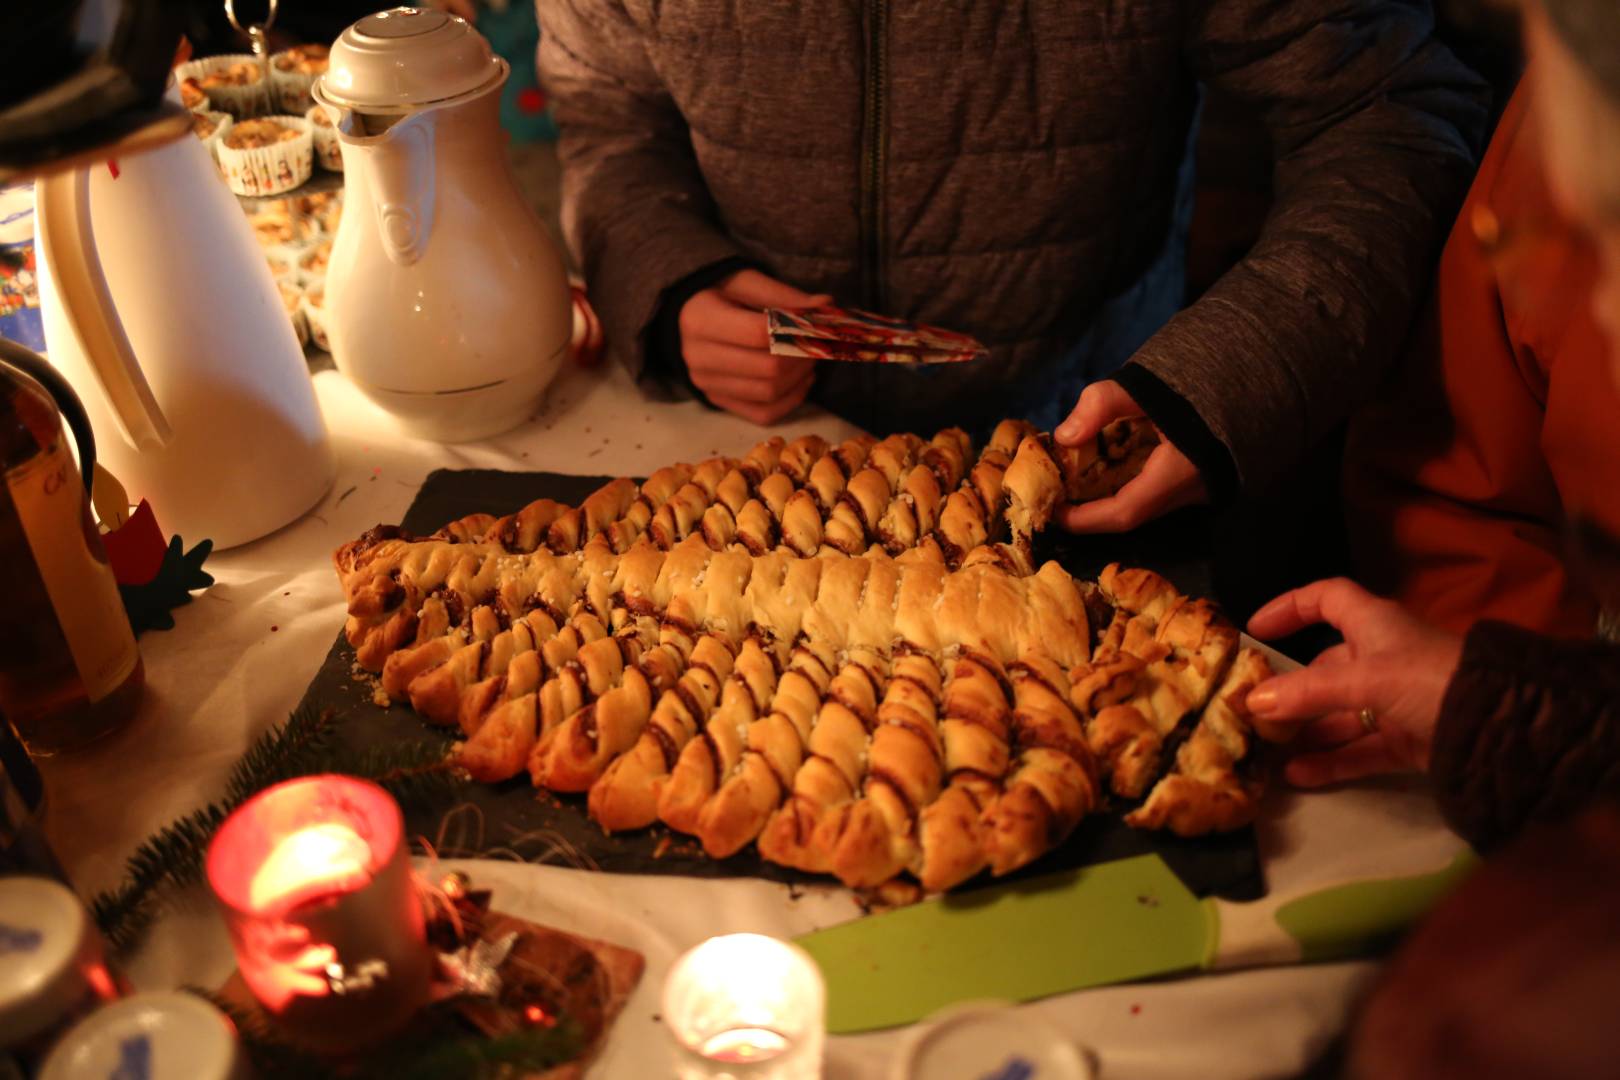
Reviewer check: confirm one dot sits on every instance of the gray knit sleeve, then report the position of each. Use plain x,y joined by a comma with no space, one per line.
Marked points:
1375,128
636,213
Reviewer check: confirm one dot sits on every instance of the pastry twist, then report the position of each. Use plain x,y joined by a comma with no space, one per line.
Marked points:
806,497
1215,784
866,717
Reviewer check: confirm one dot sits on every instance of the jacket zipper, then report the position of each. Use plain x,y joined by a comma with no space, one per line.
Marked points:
874,122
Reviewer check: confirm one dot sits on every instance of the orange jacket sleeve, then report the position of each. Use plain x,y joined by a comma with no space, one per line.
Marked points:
1500,421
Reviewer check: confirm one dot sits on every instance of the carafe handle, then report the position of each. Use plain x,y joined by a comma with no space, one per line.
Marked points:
402,187
62,217
36,367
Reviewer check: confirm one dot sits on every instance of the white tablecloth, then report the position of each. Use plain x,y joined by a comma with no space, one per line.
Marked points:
242,653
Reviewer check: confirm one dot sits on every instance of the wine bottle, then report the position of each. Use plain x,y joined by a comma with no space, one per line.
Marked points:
69,668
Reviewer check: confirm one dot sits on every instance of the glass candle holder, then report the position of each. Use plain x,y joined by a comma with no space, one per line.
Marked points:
314,878
747,1007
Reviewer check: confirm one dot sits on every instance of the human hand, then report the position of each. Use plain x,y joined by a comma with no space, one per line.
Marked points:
1167,480
1390,663
727,348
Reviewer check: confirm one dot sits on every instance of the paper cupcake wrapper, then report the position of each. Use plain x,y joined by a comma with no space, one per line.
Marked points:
296,313
240,101
315,314
290,230
222,124
269,170
202,106
291,88
328,149
283,260
312,252
321,210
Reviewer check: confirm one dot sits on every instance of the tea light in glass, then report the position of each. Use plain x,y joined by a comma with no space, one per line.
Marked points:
746,1006
314,878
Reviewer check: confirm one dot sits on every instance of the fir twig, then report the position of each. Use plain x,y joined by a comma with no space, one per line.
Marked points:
270,1057
437,1044
441,1052
293,749
416,773
171,858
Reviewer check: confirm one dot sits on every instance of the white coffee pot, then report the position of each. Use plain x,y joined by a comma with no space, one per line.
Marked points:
447,301
160,311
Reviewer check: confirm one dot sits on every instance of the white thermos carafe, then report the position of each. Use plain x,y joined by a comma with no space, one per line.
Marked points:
160,310
447,300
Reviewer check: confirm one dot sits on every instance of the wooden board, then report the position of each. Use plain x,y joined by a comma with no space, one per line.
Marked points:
583,979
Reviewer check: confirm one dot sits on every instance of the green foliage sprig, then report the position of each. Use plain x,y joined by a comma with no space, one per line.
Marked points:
171,860
437,1044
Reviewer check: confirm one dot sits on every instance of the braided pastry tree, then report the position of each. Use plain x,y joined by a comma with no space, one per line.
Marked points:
807,497
858,716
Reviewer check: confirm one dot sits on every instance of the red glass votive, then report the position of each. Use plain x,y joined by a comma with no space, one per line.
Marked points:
314,878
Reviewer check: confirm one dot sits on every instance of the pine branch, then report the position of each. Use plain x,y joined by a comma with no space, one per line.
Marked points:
437,1044
271,1058
170,859
479,1057
416,773
293,749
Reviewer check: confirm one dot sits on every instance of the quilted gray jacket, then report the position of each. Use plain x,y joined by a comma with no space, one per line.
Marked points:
1005,169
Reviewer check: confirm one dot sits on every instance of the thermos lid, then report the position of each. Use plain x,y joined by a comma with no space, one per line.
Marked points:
46,949
408,56
161,1036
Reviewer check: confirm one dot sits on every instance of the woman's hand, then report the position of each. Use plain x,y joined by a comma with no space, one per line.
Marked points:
1389,663
1167,480
727,348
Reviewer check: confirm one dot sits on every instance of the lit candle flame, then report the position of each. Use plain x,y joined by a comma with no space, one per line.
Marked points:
317,861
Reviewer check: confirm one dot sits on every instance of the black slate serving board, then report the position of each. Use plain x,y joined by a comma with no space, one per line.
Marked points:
540,824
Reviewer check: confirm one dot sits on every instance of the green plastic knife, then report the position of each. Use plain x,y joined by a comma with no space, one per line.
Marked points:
1112,923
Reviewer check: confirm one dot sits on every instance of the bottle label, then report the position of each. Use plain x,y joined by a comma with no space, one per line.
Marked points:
55,517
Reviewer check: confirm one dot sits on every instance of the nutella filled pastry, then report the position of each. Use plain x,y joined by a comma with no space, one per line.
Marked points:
863,716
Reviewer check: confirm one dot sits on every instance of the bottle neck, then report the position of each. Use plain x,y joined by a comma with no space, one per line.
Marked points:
29,422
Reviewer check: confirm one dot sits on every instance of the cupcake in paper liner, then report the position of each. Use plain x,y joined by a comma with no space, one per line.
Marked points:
291,288
292,72
235,84
283,260
328,151
275,224
267,156
321,210
210,127
313,261
314,306
193,96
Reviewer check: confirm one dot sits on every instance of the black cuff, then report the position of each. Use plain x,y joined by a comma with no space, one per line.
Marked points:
664,332
1179,422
